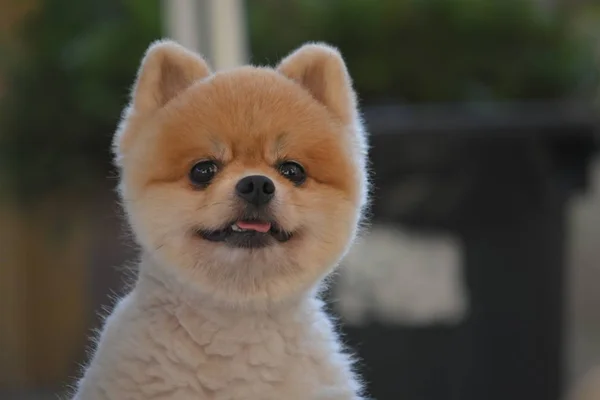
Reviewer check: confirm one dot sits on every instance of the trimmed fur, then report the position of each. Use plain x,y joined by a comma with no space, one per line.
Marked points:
206,321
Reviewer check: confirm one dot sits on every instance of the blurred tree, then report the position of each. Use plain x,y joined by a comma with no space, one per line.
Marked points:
65,86
433,50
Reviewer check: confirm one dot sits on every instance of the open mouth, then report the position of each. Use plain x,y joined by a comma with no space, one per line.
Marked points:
247,234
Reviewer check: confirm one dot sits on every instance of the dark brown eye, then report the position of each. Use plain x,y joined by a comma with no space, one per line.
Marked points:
203,172
292,171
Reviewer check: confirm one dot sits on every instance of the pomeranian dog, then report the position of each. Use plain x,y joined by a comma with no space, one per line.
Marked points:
244,189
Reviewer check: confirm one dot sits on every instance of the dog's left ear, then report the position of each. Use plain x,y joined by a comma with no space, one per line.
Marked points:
321,70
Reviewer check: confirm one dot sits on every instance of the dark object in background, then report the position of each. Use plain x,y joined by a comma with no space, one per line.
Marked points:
498,176
68,69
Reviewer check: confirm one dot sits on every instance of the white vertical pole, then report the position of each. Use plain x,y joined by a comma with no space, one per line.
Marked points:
228,34
181,22
214,28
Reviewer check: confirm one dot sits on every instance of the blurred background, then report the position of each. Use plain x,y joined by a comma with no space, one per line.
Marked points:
479,278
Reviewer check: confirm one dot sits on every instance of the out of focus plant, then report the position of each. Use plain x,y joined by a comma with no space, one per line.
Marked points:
66,76
586,23
64,86
433,50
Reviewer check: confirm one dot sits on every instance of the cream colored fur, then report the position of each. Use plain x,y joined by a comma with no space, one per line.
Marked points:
162,342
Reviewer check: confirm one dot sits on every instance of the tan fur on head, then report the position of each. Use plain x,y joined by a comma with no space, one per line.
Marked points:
167,70
321,69
248,120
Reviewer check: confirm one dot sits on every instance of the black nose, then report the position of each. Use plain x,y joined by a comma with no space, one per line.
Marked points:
255,189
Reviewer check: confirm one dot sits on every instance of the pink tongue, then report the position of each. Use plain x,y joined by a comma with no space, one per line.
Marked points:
255,226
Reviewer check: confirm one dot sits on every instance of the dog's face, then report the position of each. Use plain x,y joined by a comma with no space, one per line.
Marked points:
249,184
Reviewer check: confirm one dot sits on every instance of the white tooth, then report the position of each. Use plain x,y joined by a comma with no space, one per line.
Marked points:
236,228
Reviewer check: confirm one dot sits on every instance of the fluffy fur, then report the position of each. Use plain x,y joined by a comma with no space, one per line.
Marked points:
205,320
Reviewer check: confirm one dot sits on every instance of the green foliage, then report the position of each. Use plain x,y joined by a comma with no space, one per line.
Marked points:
70,77
432,50
67,84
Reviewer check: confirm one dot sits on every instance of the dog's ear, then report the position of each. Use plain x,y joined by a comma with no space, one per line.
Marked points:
167,69
321,70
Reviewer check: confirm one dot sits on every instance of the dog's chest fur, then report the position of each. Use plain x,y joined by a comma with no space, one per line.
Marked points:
157,345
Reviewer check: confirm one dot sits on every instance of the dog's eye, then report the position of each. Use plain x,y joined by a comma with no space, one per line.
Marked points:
293,171
203,172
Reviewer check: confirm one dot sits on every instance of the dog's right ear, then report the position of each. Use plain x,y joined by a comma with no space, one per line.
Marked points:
167,69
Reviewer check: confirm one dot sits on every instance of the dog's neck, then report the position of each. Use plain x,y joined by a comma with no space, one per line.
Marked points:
157,287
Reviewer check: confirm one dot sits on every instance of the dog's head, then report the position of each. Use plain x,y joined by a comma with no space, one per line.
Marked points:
250,183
